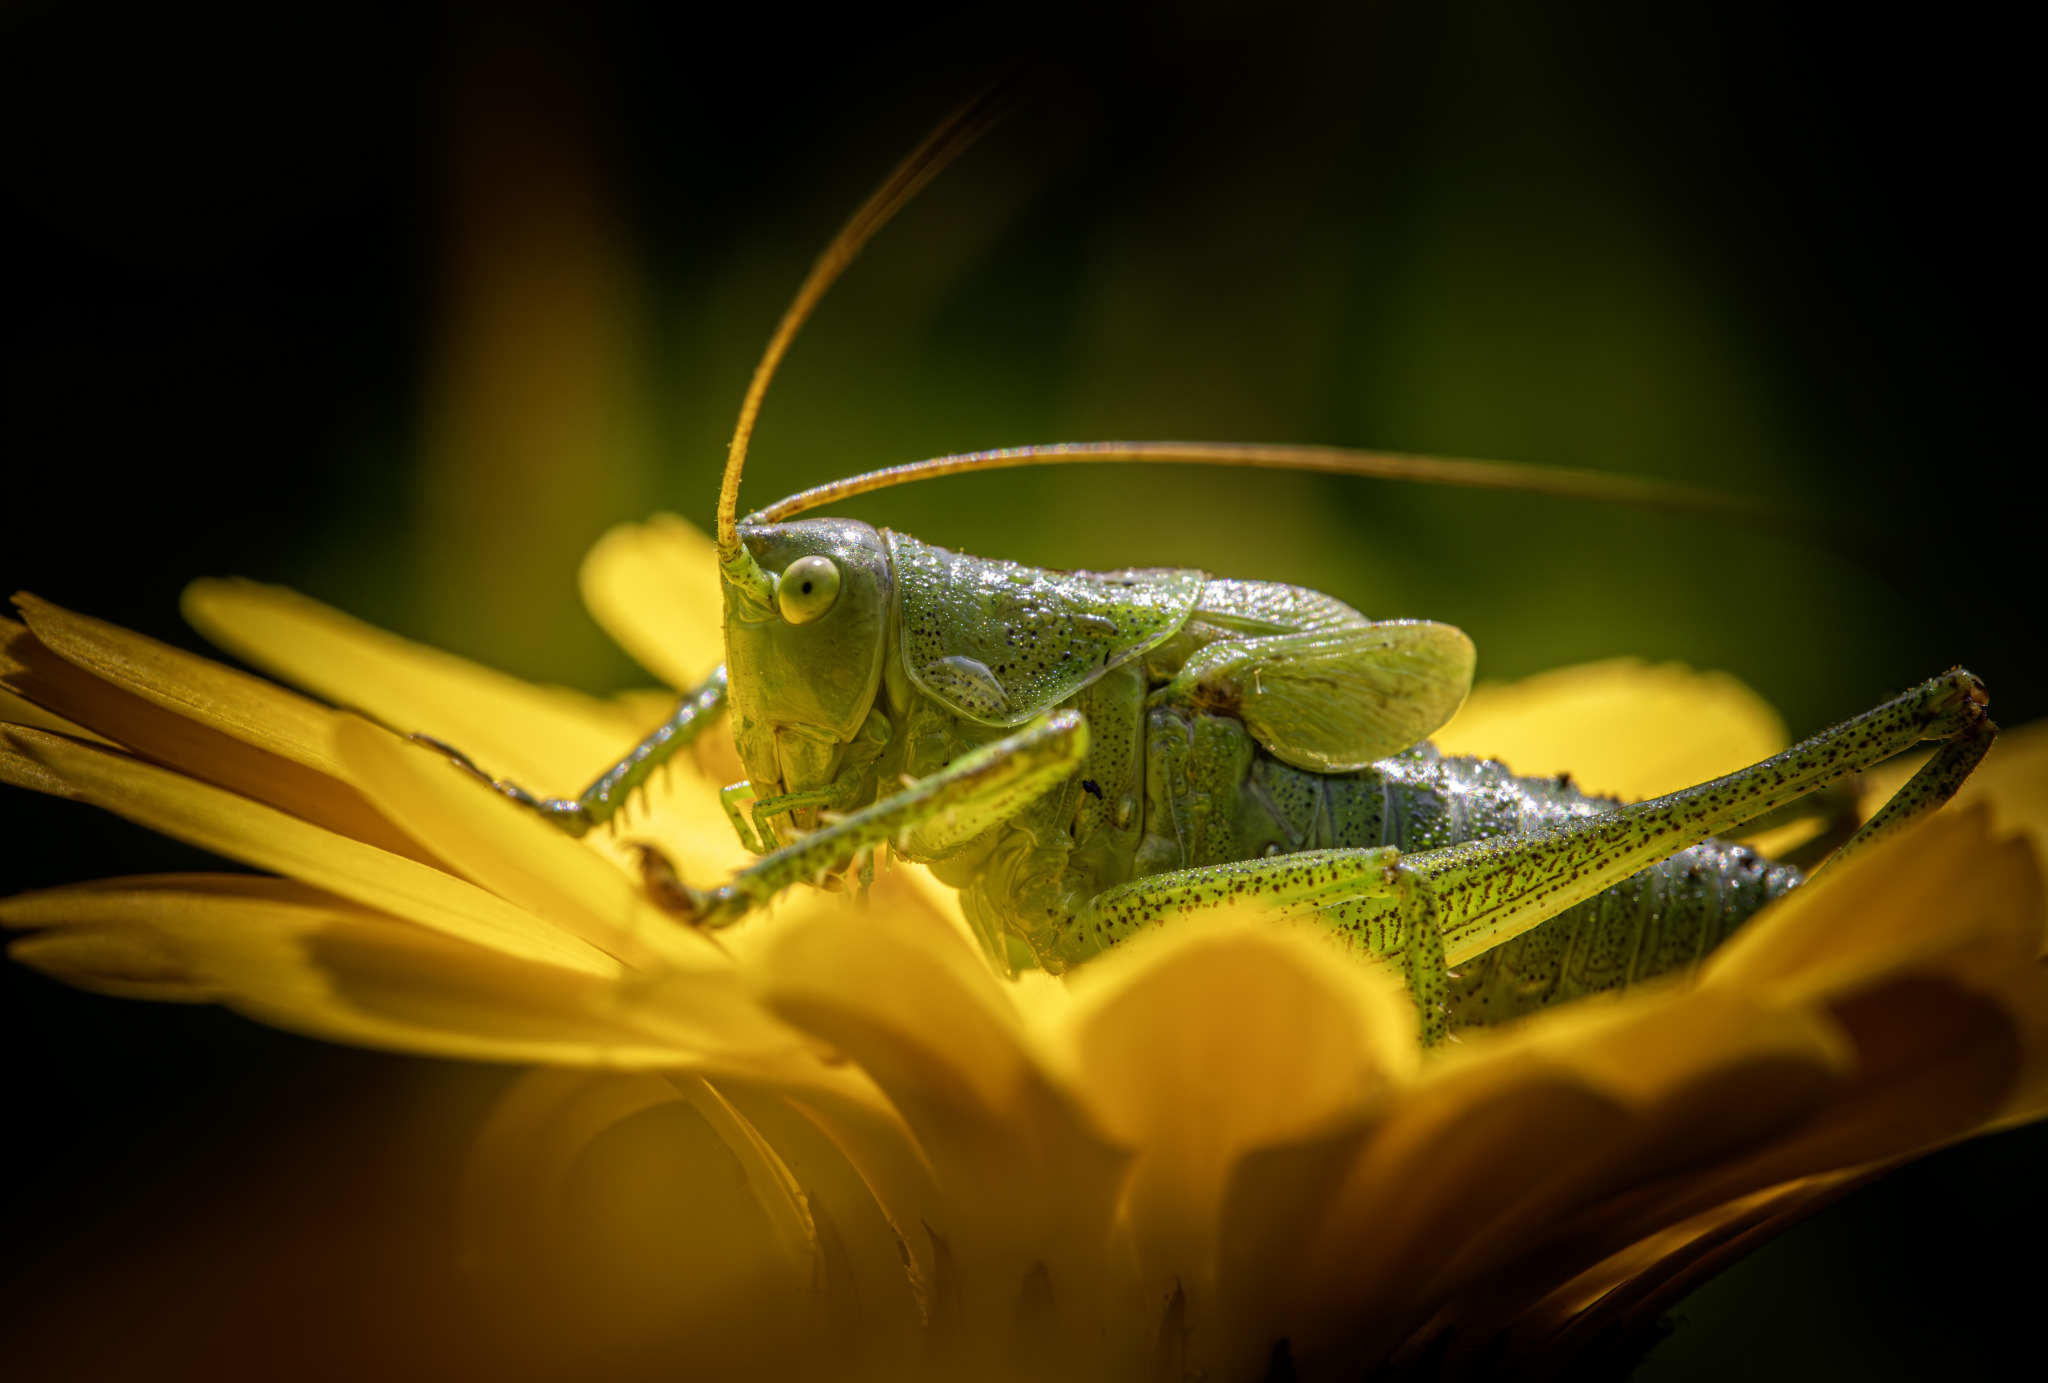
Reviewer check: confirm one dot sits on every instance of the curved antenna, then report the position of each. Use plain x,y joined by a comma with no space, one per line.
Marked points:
919,167
1566,481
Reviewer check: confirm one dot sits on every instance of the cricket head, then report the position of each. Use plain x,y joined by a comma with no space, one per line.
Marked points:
807,604
804,642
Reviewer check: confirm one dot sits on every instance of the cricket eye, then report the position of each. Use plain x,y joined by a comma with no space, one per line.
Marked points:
807,589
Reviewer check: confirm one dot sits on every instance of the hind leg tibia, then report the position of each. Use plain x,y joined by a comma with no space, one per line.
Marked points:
1373,898
1450,905
1493,890
1927,791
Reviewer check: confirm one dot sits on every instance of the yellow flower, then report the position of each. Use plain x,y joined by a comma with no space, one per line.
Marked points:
1210,1149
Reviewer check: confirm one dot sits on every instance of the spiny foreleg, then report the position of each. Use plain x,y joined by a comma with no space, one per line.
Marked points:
601,801
952,806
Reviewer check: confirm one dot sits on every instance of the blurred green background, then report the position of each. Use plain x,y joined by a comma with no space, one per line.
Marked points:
404,305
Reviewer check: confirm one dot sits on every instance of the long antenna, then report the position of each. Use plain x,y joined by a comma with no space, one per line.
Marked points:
1572,483
923,163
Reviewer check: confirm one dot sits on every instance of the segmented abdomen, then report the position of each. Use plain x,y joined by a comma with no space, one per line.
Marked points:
1662,921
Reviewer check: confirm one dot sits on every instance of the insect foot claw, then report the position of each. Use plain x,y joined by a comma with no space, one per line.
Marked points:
571,816
455,756
667,890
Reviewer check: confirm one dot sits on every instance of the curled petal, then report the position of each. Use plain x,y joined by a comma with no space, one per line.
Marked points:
266,838
551,740
1949,885
1601,1314
16,709
1210,1040
305,960
1469,1172
515,854
1941,1016
618,1223
1028,1185
2012,781
184,712
196,689
654,588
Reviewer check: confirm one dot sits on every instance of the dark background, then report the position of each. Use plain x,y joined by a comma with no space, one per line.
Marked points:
404,305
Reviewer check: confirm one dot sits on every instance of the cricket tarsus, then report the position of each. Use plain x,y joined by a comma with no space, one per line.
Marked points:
666,887
607,796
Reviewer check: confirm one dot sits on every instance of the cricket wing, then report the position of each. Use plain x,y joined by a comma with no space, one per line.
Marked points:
998,642
1335,701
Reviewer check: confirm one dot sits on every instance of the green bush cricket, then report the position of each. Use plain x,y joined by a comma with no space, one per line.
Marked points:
1084,755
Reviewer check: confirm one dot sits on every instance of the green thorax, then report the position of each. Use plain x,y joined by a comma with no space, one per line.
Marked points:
998,643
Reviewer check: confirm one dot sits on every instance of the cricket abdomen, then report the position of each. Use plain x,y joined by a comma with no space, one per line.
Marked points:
1030,876
1168,789
1661,921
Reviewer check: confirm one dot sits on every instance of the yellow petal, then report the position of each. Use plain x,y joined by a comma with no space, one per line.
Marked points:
1505,1137
515,854
1685,1080
773,1186
1644,1280
850,1145
1276,1202
18,710
1622,727
2013,779
1211,1039
1936,992
513,1188
1948,905
125,962
653,586
551,740
688,992
207,721
1914,965
1458,1152
1945,884
511,1200
612,1216
1933,1063
307,961
871,1136
1029,1186
849,1281
863,1252
266,838
246,708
